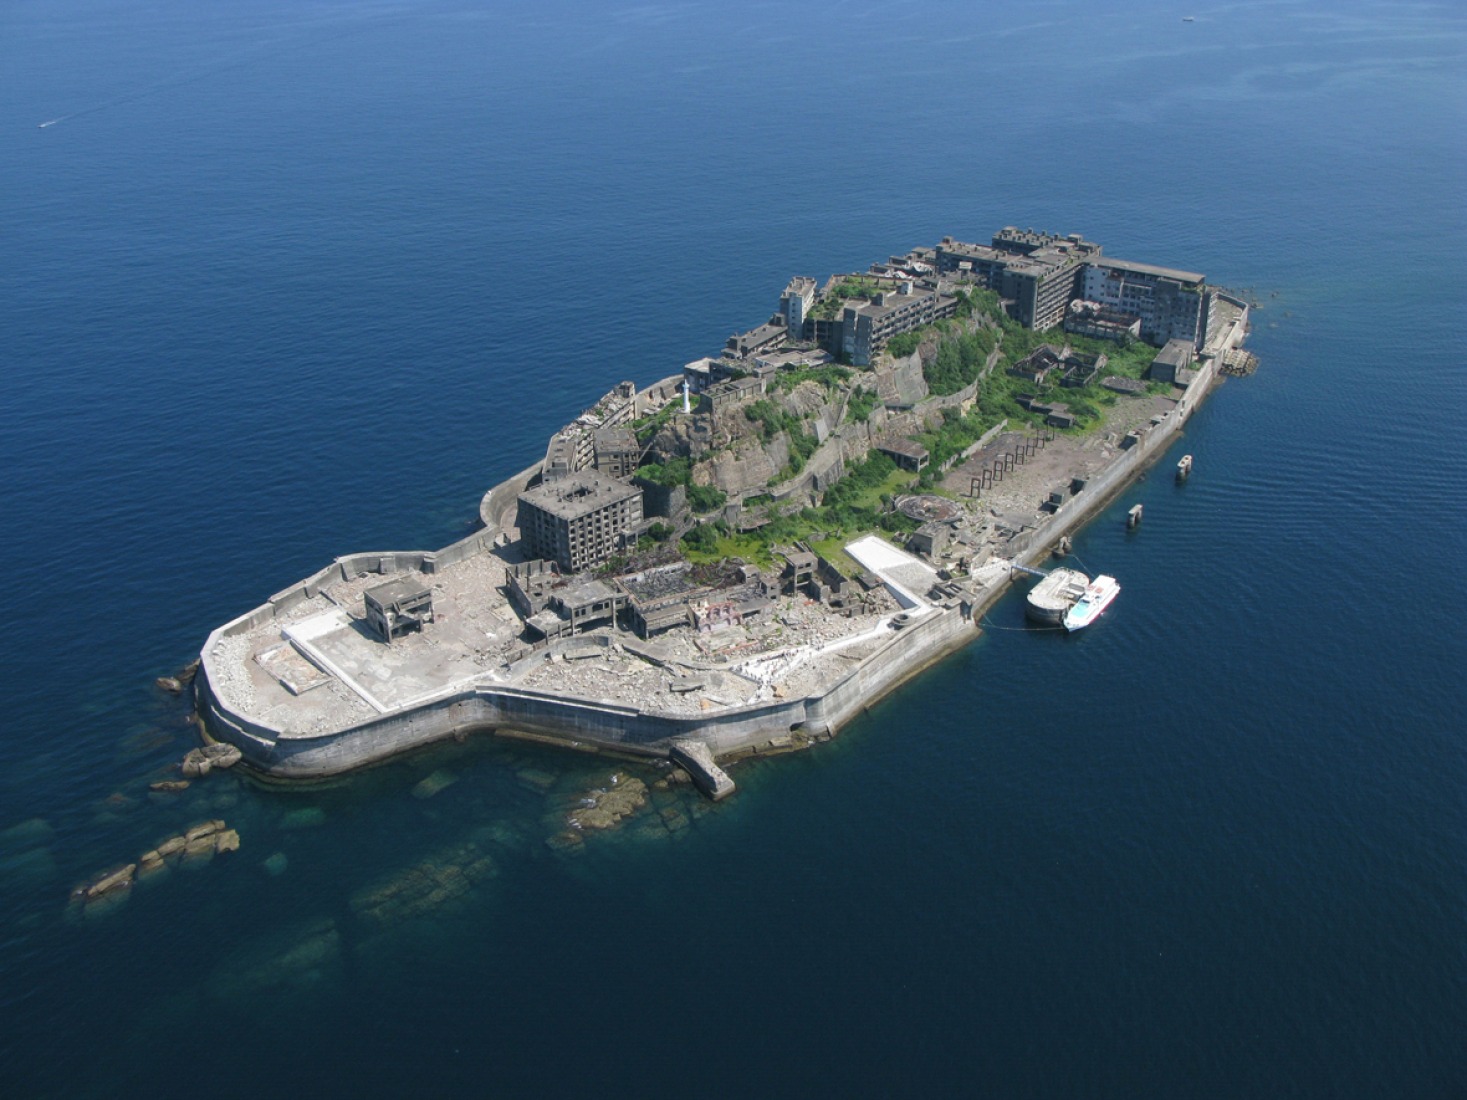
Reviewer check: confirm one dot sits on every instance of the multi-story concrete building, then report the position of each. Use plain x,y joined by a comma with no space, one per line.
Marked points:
795,304
1093,319
616,451
1037,275
579,521
745,344
866,328
1172,304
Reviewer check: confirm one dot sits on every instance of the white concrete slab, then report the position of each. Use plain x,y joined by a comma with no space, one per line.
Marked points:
906,577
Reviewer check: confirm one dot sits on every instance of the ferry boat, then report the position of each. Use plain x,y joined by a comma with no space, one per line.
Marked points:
1098,596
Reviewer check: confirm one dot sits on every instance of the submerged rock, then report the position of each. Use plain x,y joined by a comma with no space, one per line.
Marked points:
443,877
436,782
275,866
32,865
120,879
201,761
500,834
307,817
202,829
171,847
535,779
169,684
169,785
197,853
297,961
35,833
152,867
567,841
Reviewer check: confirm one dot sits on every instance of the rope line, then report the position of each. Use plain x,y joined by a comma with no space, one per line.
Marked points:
987,625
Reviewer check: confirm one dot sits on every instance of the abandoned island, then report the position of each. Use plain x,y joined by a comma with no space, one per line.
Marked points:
738,558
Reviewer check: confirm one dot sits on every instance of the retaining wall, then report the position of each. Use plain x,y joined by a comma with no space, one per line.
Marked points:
575,721
588,721
1100,490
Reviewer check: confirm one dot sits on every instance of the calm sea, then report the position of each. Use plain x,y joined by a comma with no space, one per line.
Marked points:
285,281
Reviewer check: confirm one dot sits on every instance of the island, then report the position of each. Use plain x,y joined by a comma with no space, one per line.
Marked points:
742,556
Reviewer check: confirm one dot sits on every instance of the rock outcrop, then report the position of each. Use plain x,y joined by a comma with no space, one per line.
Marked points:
194,848
201,761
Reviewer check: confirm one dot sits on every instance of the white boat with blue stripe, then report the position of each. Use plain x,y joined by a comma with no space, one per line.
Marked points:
1098,596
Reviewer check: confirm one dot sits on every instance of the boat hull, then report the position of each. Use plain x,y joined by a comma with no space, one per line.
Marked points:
1100,594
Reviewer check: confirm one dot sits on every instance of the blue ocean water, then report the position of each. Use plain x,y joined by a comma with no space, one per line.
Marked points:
287,281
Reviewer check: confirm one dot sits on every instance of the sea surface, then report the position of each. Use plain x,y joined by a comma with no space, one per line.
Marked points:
281,281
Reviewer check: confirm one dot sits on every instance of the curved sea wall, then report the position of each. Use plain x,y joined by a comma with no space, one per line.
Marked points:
590,723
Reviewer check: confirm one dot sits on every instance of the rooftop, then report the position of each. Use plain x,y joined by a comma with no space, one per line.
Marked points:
316,668
404,588
579,494
1150,269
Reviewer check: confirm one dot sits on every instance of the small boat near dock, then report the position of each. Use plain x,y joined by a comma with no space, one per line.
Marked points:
1098,595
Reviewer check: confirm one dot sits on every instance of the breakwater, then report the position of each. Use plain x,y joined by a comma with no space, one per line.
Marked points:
598,724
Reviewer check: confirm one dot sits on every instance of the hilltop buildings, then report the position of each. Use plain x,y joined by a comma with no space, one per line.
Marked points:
1043,280
585,511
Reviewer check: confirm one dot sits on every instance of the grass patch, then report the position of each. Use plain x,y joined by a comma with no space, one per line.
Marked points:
833,550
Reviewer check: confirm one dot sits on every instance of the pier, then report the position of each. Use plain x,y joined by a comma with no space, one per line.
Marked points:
383,652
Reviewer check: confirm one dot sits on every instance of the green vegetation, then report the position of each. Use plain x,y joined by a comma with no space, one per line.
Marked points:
679,471
831,377
861,501
959,360
713,542
773,419
706,498
861,405
850,286
904,343
646,427
854,505
674,471
833,550
976,300
854,502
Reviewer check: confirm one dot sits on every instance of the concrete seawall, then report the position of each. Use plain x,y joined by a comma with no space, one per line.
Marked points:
586,723
1101,490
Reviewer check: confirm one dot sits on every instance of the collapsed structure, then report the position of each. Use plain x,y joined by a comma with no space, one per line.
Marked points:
570,616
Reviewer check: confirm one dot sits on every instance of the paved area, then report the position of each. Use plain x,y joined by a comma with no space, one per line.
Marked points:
320,667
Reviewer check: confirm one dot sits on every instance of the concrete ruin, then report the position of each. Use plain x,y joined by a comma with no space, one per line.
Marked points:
526,626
